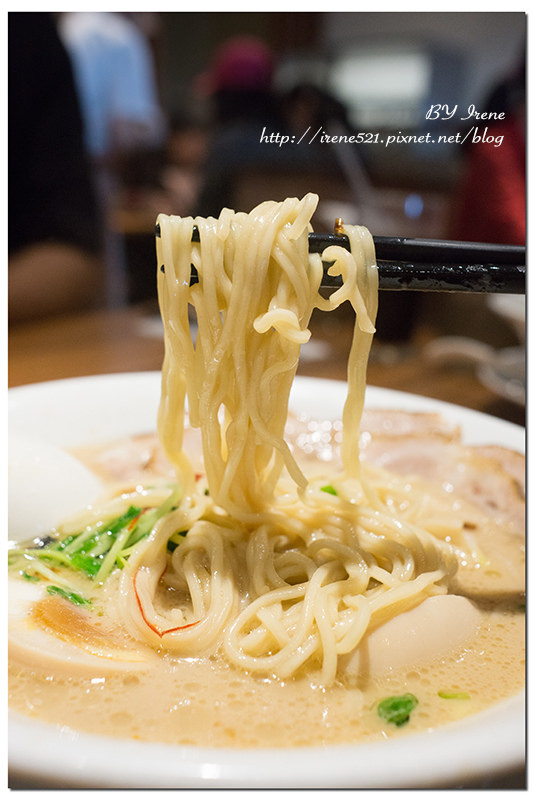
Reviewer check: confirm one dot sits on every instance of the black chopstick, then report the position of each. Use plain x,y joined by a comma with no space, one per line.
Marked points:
431,264
430,277
438,265
402,248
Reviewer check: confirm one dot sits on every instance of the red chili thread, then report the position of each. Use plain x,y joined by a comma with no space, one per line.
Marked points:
149,624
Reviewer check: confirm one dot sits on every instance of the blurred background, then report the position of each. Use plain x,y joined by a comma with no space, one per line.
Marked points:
186,112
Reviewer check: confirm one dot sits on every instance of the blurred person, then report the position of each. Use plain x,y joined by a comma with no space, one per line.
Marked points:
53,225
115,75
307,106
114,71
239,81
490,204
257,129
239,85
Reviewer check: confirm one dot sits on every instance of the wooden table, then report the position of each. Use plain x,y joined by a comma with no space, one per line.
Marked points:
130,340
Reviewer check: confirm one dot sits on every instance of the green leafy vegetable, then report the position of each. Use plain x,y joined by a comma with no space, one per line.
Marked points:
329,489
397,710
87,551
74,597
100,548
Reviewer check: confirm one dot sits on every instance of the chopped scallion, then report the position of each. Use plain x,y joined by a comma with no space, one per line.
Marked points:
397,710
28,577
175,540
99,549
74,597
454,695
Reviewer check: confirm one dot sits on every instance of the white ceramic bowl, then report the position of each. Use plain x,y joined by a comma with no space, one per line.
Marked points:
476,751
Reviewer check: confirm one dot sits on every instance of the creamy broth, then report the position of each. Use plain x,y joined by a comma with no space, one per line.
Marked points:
205,702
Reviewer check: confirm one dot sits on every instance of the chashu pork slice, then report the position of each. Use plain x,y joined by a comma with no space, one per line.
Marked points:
480,475
424,446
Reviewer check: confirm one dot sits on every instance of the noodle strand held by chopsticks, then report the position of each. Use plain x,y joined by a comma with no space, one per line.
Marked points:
280,574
